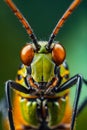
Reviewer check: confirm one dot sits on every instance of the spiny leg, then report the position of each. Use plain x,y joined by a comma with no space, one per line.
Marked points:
76,79
60,23
24,22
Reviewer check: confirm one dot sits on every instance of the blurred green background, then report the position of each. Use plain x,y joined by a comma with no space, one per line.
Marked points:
43,16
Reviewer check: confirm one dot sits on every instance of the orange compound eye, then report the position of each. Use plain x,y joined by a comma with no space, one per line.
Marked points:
27,54
58,54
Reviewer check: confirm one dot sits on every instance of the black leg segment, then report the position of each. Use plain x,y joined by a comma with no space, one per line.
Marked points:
77,79
82,106
12,84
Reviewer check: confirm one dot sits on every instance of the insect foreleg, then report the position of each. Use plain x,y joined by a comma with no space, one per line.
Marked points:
16,86
10,117
82,106
84,103
12,84
77,79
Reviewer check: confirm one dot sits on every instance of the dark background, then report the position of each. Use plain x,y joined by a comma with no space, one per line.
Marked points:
43,16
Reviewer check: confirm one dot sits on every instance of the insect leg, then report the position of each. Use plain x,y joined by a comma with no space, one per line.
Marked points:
10,117
77,79
12,84
82,106
84,103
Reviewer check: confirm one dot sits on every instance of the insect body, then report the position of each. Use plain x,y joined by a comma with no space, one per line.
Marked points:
39,100
41,90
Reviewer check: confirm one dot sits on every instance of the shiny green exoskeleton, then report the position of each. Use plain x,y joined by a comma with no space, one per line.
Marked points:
41,91
41,102
42,66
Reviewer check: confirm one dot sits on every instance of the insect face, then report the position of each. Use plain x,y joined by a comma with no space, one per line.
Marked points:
42,86
43,62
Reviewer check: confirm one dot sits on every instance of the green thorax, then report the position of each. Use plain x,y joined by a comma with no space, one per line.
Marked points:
42,66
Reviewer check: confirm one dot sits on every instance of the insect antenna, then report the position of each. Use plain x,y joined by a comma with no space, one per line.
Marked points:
24,22
60,23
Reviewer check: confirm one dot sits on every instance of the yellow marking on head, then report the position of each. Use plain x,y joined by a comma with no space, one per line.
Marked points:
22,71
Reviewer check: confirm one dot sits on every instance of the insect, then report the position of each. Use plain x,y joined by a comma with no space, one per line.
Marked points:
42,86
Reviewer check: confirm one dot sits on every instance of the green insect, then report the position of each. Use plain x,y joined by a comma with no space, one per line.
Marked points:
41,90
